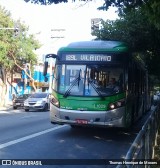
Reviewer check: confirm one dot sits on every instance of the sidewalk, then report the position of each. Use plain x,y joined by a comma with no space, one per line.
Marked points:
7,107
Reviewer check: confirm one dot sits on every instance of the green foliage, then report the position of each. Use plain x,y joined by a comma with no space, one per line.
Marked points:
5,21
151,7
142,36
152,10
106,5
132,28
139,26
15,45
46,2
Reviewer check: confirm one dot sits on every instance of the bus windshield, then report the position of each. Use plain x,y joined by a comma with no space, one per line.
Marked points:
88,80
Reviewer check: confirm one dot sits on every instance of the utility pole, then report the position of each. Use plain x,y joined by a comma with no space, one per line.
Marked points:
56,34
96,25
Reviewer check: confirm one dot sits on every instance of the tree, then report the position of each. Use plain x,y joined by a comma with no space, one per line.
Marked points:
46,2
139,25
151,7
16,48
134,29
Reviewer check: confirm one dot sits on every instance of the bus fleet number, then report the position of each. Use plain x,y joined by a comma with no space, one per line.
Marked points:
100,106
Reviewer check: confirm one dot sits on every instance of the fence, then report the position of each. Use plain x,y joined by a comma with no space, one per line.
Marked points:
142,150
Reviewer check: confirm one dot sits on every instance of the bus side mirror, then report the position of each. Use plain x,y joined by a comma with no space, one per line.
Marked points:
51,56
45,68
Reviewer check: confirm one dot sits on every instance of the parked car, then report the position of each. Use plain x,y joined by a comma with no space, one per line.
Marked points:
18,101
37,101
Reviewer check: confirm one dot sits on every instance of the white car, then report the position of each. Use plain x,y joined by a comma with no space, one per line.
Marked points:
37,101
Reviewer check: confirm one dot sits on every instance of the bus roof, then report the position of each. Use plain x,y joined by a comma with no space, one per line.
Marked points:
110,46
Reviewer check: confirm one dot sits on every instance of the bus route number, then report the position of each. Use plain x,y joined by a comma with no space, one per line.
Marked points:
71,57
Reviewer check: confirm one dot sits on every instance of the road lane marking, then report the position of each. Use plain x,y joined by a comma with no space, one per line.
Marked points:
29,137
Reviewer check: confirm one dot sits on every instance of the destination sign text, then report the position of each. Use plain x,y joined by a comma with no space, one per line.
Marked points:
87,57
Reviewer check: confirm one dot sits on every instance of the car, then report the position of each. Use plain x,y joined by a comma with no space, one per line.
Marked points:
37,101
18,101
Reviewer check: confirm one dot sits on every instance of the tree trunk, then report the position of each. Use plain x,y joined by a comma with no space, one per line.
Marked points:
3,89
29,75
10,83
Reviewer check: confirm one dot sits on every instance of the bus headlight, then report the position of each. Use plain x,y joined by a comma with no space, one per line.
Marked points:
117,104
54,101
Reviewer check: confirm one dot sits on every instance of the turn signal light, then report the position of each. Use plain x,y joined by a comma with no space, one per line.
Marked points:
54,101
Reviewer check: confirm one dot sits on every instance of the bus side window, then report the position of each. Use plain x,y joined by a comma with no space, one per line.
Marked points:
120,80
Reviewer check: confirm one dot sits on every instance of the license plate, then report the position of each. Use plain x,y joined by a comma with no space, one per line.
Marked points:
81,121
18,104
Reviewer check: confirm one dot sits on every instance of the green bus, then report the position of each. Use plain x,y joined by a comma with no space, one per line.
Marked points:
98,83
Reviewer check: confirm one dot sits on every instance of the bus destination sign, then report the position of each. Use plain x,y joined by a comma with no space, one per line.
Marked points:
87,57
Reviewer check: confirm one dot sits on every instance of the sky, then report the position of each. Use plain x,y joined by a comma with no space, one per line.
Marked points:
74,18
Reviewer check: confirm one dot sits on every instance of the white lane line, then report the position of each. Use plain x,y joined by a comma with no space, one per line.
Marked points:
29,137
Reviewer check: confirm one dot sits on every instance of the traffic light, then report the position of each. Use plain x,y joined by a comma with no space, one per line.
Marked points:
16,32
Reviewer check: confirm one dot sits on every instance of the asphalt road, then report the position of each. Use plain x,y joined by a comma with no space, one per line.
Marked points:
31,136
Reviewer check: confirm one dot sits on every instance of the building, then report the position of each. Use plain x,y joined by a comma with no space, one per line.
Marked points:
21,83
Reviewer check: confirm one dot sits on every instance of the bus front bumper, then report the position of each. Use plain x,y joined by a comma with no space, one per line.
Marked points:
111,118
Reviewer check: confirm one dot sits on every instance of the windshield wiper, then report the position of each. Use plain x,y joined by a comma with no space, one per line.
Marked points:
73,84
92,84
